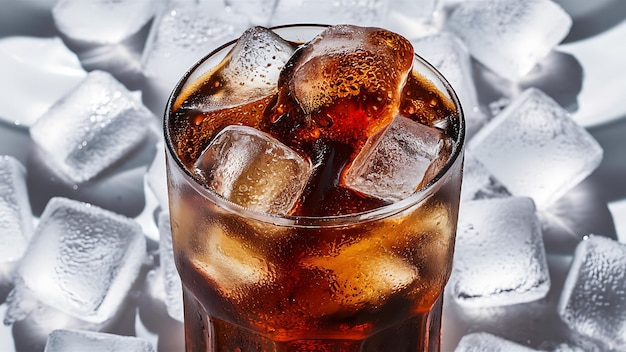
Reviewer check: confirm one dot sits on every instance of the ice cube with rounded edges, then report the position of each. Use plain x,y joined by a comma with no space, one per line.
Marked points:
82,260
254,170
248,73
16,219
508,36
92,127
358,12
36,72
535,149
397,163
80,341
185,32
486,342
500,257
593,299
171,280
102,21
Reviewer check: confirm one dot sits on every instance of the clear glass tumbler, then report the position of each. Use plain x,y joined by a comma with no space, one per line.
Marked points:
369,281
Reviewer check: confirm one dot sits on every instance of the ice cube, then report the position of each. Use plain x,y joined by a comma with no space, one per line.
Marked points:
16,220
91,127
499,258
449,55
102,21
35,72
358,12
76,340
259,12
362,95
185,32
231,264
173,285
618,212
535,149
485,342
254,170
248,73
593,300
478,183
508,36
82,260
399,162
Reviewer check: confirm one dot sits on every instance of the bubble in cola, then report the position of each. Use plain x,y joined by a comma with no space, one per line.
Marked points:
345,102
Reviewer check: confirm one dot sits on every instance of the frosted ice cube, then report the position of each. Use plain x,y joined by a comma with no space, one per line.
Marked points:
485,342
364,13
16,220
77,341
478,183
36,72
259,12
184,33
618,212
449,55
254,170
508,36
535,149
82,260
499,258
91,127
102,21
397,163
173,285
593,300
249,71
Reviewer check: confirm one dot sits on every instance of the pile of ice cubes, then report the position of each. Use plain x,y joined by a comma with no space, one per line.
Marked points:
73,268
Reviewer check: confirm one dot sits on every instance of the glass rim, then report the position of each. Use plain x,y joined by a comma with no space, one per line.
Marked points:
415,198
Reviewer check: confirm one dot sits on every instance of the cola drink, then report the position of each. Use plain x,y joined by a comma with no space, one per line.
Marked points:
314,177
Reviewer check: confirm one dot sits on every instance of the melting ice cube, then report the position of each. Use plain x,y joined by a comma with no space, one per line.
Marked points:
535,149
248,73
593,300
500,257
254,170
397,163
91,127
509,36
82,260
